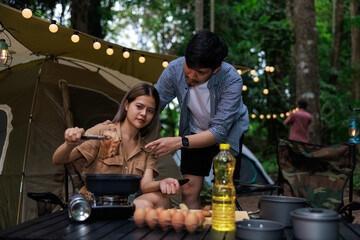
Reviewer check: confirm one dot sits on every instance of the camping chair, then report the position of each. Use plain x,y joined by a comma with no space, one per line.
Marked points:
318,173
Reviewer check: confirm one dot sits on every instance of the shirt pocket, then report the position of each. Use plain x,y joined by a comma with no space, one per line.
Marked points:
139,166
113,161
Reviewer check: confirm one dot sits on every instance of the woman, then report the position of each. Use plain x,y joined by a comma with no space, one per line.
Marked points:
122,151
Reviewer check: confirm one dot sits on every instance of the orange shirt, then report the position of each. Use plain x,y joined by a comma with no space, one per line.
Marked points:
115,162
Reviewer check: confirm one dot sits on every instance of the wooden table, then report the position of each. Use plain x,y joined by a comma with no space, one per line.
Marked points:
58,226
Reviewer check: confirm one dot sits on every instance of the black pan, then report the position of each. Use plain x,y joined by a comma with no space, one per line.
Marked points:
113,184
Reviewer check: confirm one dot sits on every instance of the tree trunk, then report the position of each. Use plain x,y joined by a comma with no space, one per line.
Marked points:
307,62
335,59
355,51
79,15
199,15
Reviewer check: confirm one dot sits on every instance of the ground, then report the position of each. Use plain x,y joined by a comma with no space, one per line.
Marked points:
250,203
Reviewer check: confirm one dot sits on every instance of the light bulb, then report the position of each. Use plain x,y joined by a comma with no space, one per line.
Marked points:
26,13
268,116
75,37
141,59
96,45
165,63
282,115
261,116
274,116
253,115
266,91
267,69
53,27
3,56
256,79
244,88
126,54
239,71
252,72
272,69
109,51
287,114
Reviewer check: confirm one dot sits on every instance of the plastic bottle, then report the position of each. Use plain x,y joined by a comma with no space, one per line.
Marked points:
223,194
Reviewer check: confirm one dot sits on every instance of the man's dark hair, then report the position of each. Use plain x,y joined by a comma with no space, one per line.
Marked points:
205,50
302,103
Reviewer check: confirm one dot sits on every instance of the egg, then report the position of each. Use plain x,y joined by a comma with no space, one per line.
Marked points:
165,219
173,211
201,218
184,212
159,209
139,217
177,221
152,218
191,222
148,208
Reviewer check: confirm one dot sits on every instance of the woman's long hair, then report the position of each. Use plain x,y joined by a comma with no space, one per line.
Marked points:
142,89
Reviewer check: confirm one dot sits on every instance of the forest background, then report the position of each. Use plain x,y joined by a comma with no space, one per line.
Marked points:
314,46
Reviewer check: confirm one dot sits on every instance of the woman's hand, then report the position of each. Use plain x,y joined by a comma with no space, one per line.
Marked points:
169,186
73,135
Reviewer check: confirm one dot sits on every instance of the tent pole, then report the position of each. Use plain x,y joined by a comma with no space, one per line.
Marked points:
27,142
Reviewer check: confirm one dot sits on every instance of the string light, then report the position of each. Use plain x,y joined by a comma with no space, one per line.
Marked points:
244,88
282,115
266,91
274,116
110,51
253,115
256,79
126,53
142,59
96,45
267,69
239,71
165,63
252,72
268,116
261,116
287,114
272,69
53,27
75,37
26,13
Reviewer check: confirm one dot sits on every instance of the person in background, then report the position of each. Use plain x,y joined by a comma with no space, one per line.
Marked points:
209,92
122,151
299,122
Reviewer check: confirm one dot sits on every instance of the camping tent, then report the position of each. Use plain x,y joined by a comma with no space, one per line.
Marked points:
49,76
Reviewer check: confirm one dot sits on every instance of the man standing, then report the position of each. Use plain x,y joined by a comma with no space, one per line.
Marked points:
299,122
209,92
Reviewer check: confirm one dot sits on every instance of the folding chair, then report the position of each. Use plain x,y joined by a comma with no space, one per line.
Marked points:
318,173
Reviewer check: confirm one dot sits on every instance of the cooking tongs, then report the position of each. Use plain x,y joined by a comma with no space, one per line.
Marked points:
94,137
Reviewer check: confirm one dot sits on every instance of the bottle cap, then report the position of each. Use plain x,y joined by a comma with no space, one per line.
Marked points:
224,146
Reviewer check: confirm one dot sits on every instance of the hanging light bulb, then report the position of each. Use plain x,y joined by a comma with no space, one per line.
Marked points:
239,71
252,72
5,53
142,59
110,51
96,45
256,79
126,53
53,27
26,12
287,114
274,116
266,91
253,115
268,116
165,63
244,88
261,116
272,69
267,69
282,115
75,37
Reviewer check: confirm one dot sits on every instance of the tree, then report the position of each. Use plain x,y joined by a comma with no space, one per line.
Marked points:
307,62
355,48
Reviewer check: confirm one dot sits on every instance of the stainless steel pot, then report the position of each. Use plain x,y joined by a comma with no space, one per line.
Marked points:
315,224
278,208
254,229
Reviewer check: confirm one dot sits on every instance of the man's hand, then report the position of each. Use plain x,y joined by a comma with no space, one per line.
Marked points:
164,146
169,186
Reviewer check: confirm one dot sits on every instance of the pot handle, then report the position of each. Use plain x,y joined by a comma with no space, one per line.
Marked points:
309,204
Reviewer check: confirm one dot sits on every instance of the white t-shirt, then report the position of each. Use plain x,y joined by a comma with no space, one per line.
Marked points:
199,106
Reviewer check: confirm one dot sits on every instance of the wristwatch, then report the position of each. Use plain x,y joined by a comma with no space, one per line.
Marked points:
184,142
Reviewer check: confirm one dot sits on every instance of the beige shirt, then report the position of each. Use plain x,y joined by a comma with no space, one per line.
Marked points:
115,162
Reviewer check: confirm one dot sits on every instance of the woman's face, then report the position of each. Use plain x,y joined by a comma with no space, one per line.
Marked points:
141,111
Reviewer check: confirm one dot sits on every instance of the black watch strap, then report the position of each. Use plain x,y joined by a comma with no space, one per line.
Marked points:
184,142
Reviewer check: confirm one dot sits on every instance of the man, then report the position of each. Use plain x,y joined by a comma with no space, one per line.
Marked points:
209,92
299,122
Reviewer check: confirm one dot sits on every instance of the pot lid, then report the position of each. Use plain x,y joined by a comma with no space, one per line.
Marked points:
315,214
283,199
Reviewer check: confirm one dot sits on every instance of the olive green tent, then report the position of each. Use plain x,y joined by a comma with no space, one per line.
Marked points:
49,77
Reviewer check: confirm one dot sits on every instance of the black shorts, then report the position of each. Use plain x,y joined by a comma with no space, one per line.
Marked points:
198,161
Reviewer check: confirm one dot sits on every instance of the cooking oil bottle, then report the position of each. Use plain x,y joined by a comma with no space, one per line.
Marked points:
223,194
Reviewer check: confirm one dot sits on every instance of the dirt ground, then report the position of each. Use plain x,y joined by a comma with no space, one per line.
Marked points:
250,203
